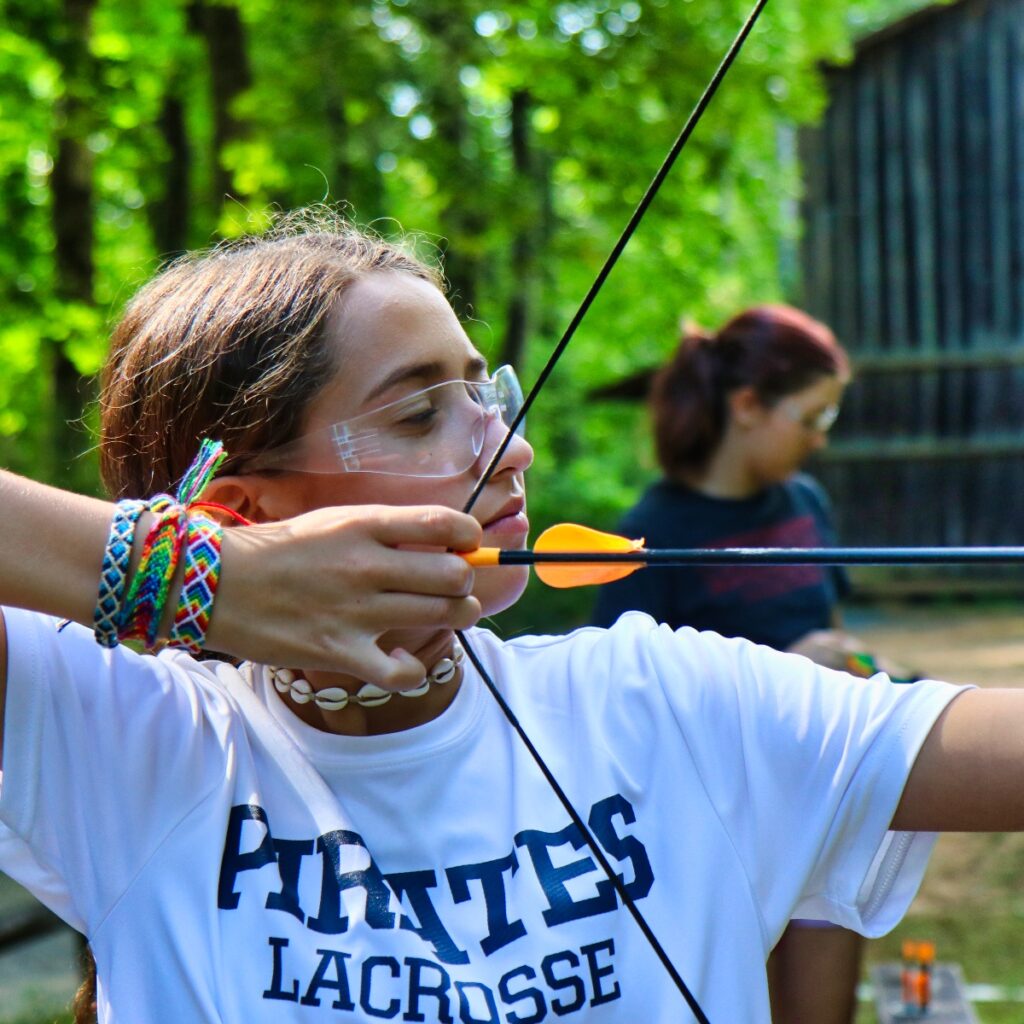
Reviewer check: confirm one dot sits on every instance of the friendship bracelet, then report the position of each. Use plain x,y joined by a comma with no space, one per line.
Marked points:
144,605
114,573
136,615
202,573
206,463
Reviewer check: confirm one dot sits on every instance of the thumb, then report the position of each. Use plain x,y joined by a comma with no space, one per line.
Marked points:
398,670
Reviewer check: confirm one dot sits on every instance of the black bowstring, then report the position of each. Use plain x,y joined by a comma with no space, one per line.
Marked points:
588,837
613,257
620,245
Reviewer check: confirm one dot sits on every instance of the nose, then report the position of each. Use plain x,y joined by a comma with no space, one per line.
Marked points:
517,456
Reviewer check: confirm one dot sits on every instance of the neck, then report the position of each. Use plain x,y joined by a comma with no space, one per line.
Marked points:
726,475
399,713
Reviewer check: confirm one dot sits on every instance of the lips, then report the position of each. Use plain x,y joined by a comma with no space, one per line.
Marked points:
509,512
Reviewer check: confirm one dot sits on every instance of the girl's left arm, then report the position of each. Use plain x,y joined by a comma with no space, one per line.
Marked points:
969,772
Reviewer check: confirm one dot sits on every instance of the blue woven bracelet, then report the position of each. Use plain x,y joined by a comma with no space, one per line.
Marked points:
114,574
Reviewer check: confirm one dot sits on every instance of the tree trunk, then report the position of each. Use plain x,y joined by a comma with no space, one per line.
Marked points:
71,188
341,183
169,215
222,29
517,325
463,219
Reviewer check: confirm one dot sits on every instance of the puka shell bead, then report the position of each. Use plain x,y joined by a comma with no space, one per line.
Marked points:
416,691
444,671
283,679
301,691
333,698
370,695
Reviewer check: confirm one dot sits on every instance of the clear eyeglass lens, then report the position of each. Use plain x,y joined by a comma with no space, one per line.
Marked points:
823,422
820,422
436,432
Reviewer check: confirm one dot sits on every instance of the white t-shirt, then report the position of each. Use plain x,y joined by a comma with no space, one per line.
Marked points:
230,863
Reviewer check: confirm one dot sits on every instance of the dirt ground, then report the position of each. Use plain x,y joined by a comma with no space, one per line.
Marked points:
962,644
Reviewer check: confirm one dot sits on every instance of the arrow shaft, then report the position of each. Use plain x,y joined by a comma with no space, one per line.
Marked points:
772,556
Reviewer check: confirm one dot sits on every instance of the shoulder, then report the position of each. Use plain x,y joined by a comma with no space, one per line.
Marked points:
664,505
636,658
638,683
806,491
45,654
806,486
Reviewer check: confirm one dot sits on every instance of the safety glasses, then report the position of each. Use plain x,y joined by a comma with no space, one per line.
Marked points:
436,432
819,422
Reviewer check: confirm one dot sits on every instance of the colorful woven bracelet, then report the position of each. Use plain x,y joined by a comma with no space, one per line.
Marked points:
114,574
136,615
204,467
147,595
202,573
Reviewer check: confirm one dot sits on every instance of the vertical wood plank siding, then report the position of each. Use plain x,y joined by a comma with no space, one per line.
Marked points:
913,251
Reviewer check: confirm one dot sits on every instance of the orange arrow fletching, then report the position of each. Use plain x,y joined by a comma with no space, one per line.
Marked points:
572,538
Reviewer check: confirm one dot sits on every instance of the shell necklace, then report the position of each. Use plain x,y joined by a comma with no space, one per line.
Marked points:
369,695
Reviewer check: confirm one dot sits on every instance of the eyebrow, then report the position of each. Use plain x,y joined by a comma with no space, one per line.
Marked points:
423,371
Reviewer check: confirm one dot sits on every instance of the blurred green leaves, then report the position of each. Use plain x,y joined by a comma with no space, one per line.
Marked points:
517,137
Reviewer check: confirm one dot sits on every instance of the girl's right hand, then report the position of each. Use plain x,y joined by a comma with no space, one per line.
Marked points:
317,591
835,648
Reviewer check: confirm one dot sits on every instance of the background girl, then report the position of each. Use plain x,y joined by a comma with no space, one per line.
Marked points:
736,414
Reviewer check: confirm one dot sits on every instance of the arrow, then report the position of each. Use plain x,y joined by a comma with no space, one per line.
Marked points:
568,555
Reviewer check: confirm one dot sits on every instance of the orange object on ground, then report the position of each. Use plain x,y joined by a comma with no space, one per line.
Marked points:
908,975
925,961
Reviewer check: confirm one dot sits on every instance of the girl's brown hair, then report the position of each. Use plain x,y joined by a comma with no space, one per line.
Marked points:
83,1005
776,350
229,344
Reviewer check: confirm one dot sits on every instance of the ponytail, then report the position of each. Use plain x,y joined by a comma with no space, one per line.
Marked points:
688,403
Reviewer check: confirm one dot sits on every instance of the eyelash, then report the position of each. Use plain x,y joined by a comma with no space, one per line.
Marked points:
420,418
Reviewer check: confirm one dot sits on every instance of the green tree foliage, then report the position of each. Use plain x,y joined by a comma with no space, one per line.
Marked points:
516,137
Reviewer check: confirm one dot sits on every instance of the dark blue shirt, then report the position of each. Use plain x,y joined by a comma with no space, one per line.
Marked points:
773,605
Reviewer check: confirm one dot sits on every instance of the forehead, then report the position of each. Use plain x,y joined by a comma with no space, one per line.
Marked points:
826,390
391,314
386,324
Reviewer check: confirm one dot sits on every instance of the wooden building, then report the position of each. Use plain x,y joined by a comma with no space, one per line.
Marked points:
913,251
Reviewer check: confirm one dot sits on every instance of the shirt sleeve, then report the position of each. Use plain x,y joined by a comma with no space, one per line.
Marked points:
105,751
804,767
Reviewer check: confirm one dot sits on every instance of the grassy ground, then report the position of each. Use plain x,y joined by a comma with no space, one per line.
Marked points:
35,1019
972,901
988,949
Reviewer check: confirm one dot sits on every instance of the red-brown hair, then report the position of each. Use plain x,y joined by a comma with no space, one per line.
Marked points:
776,350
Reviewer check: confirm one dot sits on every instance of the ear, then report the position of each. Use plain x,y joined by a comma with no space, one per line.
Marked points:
261,499
745,408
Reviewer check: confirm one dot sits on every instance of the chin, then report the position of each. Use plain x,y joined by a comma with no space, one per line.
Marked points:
777,475
500,588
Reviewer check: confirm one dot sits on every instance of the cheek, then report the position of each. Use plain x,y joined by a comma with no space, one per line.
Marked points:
377,489
780,455
498,589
